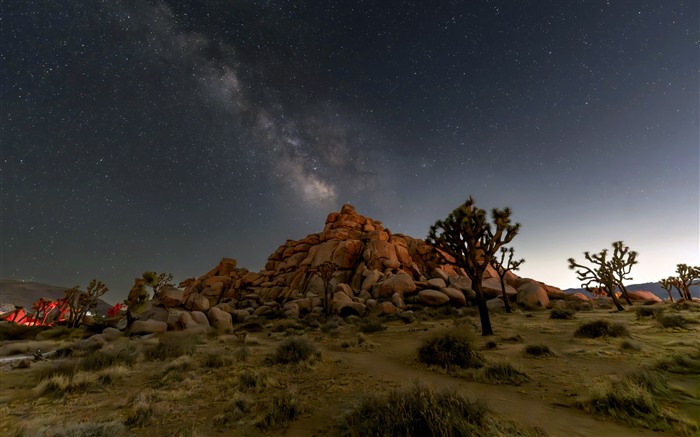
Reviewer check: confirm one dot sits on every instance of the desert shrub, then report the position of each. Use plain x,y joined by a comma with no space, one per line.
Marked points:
417,411
672,321
281,410
634,399
601,328
141,411
538,350
683,364
96,359
285,325
214,361
249,380
171,347
112,374
562,313
330,326
14,331
514,339
628,346
370,325
502,373
643,312
453,348
294,350
60,385
60,368
188,431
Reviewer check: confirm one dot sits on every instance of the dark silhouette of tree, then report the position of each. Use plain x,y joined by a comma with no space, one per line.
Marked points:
602,273
81,302
622,261
472,241
669,284
503,266
688,276
158,282
326,271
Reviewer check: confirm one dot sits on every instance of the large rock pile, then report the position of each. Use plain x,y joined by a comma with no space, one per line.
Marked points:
378,272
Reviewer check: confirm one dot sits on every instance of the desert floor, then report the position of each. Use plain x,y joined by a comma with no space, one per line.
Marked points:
229,383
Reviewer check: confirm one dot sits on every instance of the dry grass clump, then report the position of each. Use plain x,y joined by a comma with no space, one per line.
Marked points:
215,361
453,348
423,411
252,380
281,410
672,320
295,350
644,312
502,372
635,398
86,429
538,350
60,385
370,325
628,346
96,359
683,364
142,410
172,346
601,328
562,313
240,407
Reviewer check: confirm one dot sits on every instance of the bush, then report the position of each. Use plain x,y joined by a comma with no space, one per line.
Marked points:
96,359
683,364
643,312
248,380
281,410
214,361
453,348
294,350
370,325
171,347
634,399
419,411
562,313
141,412
503,373
628,346
538,350
601,328
672,321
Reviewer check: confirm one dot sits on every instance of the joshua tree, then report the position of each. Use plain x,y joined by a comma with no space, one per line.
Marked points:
326,271
602,274
157,282
504,266
668,284
688,276
469,238
82,302
622,261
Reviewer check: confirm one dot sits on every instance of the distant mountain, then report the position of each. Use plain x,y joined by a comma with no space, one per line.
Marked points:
20,293
654,287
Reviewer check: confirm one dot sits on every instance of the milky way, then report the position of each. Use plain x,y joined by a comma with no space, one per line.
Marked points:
164,135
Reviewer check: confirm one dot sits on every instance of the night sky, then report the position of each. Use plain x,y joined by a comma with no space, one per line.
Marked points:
164,135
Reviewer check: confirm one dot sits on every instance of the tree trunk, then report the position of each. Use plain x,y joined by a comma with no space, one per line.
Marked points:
624,293
503,291
611,292
486,329
670,296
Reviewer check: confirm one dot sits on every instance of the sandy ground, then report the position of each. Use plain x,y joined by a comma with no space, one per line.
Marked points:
200,400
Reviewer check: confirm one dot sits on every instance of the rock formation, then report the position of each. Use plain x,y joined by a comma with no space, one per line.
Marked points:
378,272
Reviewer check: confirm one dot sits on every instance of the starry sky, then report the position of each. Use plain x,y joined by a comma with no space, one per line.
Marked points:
163,135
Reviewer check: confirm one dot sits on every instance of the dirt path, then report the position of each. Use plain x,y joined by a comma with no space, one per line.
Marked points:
391,361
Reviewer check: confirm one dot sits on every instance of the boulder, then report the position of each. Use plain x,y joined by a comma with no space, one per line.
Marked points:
200,303
492,288
384,309
495,305
460,283
642,295
401,283
432,297
436,283
533,296
580,297
457,297
398,302
371,278
172,297
200,318
144,327
220,320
